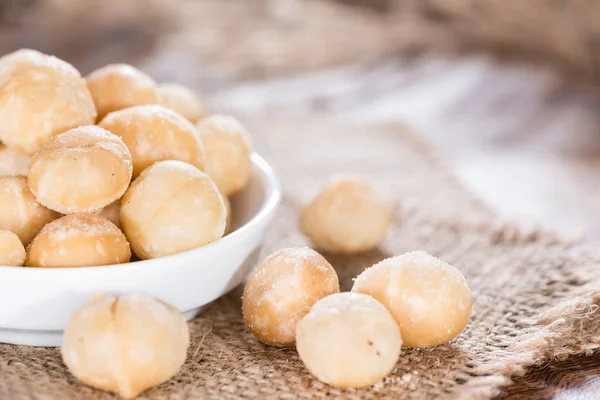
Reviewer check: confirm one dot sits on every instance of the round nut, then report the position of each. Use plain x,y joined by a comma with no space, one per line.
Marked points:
283,290
81,170
112,212
154,133
348,340
171,207
125,344
228,146
40,96
118,86
181,100
78,240
12,252
13,162
348,216
428,298
19,211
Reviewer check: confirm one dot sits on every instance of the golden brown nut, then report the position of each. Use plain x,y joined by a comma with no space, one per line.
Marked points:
112,212
12,252
13,162
40,96
348,216
171,207
118,86
428,298
348,340
283,290
125,344
154,133
81,170
19,210
181,100
228,146
78,240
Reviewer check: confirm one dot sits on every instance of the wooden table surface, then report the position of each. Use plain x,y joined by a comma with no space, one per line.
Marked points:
516,136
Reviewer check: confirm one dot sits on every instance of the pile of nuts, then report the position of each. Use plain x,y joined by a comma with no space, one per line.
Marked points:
101,166
93,169
353,339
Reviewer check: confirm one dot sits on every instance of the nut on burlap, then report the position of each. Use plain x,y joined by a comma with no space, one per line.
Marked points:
530,289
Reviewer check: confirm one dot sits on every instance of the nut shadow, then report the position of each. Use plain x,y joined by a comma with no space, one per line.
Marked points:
349,266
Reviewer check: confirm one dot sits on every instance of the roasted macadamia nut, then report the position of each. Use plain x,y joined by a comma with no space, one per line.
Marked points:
228,146
118,86
171,207
283,290
40,96
20,212
125,344
348,216
112,212
78,240
12,252
155,133
13,162
181,100
81,170
428,298
348,340
229,220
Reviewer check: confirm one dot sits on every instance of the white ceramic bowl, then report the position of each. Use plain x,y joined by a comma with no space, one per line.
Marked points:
36,303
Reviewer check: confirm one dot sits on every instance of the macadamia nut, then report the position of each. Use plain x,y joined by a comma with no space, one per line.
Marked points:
155,133
428,298
171,207
20,212
181,100
13,162
112,212
118,86
228,146
12,252
125,344
283,290
78,240
81,170
40,96
348,216
348,340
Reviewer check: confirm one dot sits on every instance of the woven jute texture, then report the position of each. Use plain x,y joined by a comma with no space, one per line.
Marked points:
533,292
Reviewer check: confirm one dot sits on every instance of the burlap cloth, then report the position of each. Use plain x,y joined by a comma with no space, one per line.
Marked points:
533,293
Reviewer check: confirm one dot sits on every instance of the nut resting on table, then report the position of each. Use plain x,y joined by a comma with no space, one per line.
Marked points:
115,165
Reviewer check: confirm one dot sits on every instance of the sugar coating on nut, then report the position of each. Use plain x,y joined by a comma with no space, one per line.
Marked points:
125,344
117,86
283,290
13,162
20,212
181,100
154,133
78,240
40,96
429,298
12,252
348,216
348,340
228,146
172,207
81,170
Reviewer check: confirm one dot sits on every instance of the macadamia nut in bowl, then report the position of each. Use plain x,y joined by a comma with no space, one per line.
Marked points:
188,280
82,170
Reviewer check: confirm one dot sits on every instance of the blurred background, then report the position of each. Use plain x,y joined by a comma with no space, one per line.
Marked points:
507,90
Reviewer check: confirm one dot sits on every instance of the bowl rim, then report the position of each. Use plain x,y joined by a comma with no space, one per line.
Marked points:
271,200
